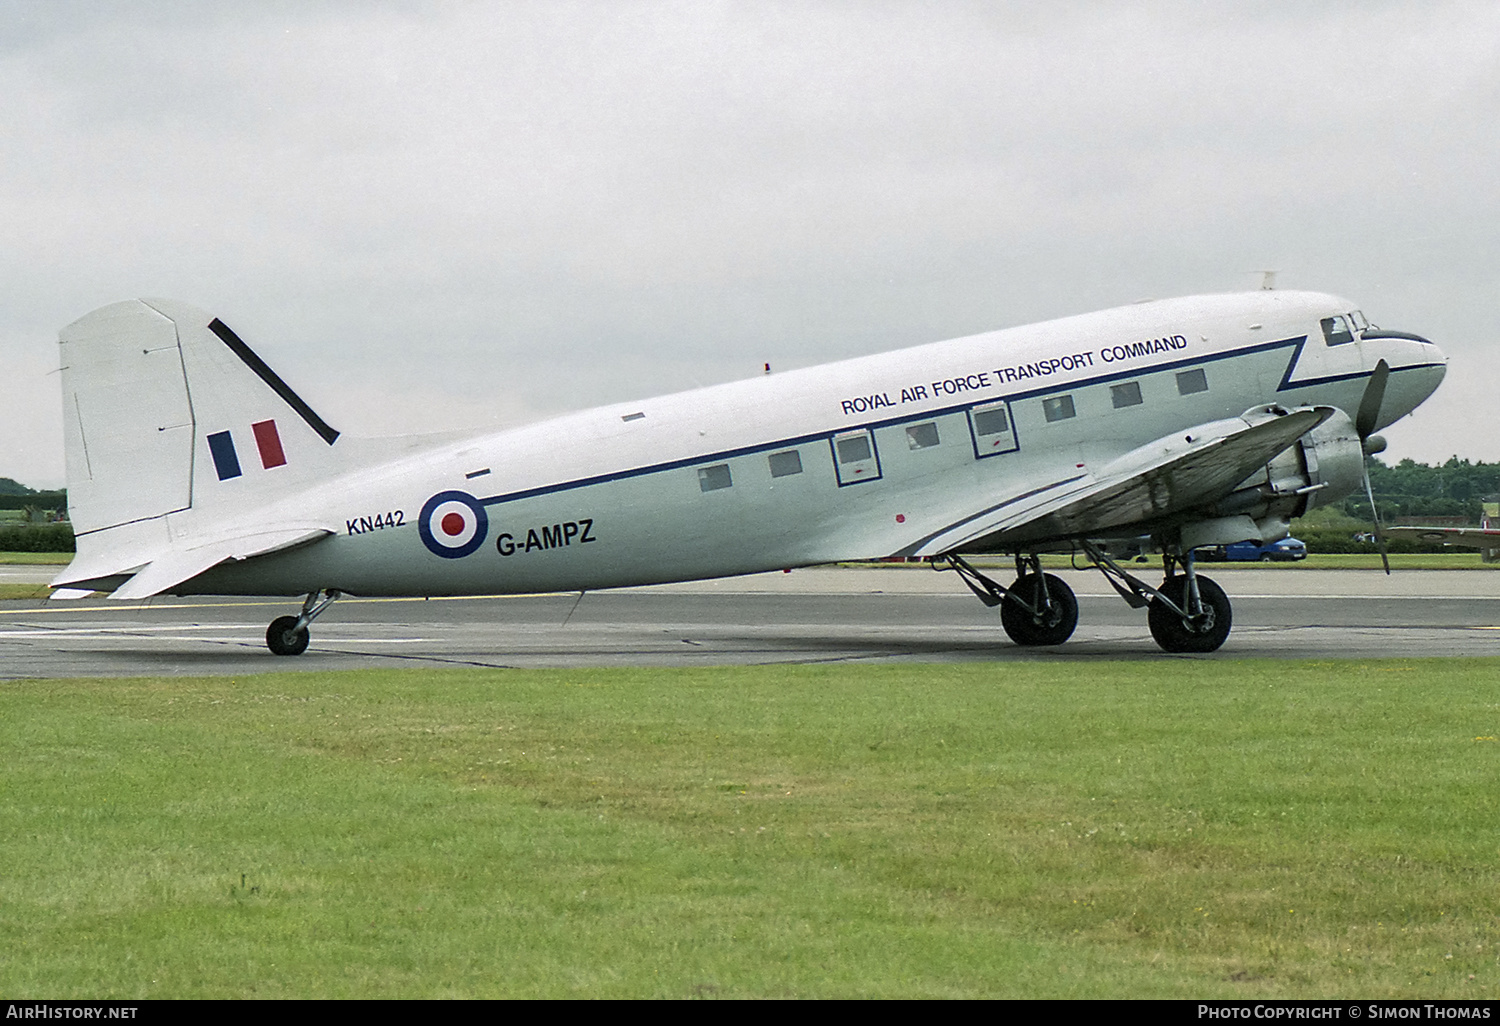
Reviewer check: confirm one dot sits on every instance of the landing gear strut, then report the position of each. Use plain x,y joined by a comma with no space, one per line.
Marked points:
1191,613
1188,613
288,635
1042,609
1037,609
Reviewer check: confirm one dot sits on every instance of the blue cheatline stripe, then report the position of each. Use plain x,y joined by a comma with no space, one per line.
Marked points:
1294,343
226,460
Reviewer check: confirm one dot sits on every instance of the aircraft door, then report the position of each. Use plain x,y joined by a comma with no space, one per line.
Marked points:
991,428
855,458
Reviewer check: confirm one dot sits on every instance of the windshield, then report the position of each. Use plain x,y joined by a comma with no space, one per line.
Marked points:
1336,331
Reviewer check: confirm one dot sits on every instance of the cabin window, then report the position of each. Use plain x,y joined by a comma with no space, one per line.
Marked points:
785,464
854,458
711,479
854,450
1058,407
922,436
1192,381
1125,394
1336,331
991,421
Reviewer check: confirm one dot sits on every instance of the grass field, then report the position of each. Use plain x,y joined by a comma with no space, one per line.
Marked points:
36,558
30,591
1174,828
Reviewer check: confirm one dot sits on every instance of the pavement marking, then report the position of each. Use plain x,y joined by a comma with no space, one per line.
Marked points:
145,606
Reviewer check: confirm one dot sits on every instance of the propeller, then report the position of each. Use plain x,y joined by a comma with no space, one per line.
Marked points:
1370,443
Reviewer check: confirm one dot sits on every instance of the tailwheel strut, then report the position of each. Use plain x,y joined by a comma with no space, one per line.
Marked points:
288,635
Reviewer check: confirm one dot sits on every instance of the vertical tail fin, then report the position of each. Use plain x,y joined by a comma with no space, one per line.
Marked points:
169,417
127,420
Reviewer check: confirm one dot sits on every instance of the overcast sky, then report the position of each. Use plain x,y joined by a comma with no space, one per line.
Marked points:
448,214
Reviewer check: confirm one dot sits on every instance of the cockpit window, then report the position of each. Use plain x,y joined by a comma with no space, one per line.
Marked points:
1358,320
1336,331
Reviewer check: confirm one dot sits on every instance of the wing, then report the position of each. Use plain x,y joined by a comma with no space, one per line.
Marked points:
1169,476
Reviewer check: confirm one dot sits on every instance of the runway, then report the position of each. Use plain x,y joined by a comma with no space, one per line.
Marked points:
890,614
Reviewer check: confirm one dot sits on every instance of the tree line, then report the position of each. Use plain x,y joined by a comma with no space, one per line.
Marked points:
1457,488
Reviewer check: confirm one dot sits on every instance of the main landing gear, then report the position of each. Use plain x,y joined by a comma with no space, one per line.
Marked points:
288,635
1188,613
1037,609
1181,629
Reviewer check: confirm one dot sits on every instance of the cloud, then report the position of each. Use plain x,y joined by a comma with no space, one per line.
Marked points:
537,207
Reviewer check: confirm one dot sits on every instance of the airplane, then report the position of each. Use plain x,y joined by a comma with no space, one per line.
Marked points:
1485,537
194,468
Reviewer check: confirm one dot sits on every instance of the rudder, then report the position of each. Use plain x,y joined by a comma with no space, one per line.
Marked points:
127,420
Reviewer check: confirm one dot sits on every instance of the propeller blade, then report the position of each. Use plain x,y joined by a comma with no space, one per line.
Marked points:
1385,560
1369,403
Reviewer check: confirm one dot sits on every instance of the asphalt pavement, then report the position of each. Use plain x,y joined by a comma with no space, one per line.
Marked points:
857,614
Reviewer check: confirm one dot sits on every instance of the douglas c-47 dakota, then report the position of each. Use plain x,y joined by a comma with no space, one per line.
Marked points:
193,468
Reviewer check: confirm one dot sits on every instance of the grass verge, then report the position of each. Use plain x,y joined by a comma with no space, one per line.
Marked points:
23,591
36,558
1175,828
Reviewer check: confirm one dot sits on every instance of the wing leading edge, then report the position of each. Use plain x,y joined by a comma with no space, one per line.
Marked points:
1170,475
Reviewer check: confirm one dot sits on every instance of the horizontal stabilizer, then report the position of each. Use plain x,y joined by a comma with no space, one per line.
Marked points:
172,568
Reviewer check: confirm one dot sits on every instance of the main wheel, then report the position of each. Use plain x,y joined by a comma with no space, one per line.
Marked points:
1052,625
1204,633
284,637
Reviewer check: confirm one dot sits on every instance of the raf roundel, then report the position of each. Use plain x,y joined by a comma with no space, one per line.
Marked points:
452,524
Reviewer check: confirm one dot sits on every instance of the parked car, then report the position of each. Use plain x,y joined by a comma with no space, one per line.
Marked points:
1284,550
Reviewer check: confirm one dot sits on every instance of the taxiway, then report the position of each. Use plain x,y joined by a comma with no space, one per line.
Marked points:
874,614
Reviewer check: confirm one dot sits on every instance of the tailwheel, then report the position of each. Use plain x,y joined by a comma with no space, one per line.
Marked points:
1052,614
1204,632
285,637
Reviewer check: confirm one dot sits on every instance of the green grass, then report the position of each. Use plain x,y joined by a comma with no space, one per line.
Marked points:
10,592
1164,828
36,558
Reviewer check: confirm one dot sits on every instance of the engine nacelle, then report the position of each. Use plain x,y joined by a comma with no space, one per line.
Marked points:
1320,468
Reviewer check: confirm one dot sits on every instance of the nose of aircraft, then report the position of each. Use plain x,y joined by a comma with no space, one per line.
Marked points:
1417,364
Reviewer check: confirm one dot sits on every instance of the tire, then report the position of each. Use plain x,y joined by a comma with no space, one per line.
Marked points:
1266,557
284,639
1054,627
1174,634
